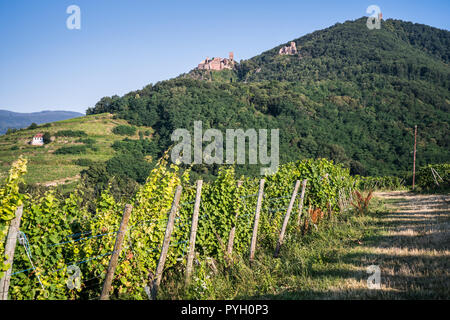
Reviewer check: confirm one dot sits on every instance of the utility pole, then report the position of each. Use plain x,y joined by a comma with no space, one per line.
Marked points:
414,165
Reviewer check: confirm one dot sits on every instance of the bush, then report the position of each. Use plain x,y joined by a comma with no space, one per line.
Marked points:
47,138
87,141
72,150
32,126
124,130
71,133
11,130
83,162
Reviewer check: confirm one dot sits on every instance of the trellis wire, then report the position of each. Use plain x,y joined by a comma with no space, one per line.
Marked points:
24,241
178,219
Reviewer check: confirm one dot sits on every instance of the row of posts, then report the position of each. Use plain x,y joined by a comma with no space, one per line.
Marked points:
155,283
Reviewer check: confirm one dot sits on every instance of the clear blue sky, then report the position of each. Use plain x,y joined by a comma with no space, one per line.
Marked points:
124,45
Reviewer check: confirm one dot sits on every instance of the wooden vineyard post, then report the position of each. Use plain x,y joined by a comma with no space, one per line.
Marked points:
233,230
330,211
115,255
255,225
414,164
10,248
166,243
190,257
300,205
286,219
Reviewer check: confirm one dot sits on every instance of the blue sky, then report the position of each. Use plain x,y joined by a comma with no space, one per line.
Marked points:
124,45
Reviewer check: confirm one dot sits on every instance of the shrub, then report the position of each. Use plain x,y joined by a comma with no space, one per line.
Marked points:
124,130
11,130
71,133
47,138
87,141
361,203
32,126
83,162
72,150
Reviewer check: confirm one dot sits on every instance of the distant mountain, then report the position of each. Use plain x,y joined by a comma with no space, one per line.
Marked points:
9,119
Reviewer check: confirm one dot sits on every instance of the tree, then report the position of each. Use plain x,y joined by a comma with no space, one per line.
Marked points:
32,126
47,138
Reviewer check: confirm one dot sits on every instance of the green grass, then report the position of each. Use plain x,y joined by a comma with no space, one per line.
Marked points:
44,166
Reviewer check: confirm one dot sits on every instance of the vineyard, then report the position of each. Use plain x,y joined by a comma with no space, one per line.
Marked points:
380,183
64,250
434,178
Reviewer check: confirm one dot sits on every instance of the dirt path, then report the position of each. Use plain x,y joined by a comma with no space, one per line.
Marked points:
59,181
411,248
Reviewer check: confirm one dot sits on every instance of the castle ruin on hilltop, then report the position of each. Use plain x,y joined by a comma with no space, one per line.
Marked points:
289,50
217,63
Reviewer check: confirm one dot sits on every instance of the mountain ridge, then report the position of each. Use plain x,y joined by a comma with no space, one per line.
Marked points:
17,120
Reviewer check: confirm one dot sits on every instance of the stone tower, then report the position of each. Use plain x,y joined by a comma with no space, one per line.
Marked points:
231,56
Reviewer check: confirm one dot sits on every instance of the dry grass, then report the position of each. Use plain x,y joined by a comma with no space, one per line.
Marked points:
413,252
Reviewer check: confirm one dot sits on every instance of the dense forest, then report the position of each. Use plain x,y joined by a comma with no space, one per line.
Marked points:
351,94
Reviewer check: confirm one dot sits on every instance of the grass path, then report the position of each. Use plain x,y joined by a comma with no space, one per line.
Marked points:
411,247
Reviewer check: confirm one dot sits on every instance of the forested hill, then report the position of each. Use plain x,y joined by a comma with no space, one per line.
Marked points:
351,51
351,94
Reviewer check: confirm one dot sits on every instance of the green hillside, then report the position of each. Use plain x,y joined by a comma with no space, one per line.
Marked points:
48,167
351,94
350,51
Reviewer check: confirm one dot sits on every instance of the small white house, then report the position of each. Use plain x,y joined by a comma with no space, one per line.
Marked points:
38,140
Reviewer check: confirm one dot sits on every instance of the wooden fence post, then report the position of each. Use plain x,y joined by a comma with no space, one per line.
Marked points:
166,243
233,229
10,248
190,257
300,205
329,210
286,218
115,255
255,225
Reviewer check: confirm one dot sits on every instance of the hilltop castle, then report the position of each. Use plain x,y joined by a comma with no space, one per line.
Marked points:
290,50
217,63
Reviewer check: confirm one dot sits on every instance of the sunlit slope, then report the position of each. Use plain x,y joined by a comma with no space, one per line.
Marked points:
49,168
